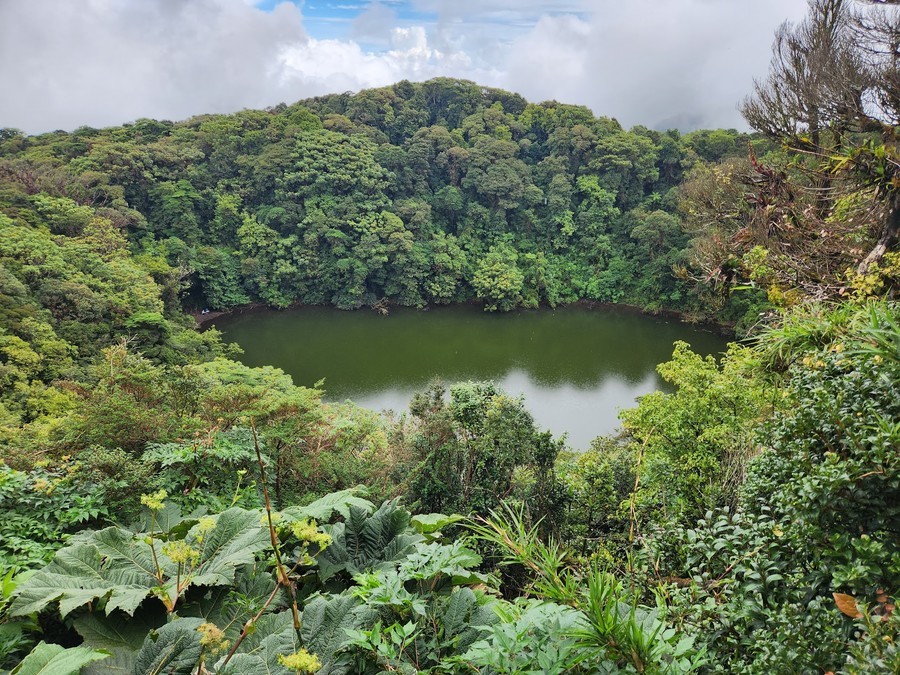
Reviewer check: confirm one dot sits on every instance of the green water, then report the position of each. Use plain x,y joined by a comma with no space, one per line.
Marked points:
575,367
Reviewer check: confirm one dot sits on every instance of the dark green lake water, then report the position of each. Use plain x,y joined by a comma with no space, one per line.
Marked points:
575,367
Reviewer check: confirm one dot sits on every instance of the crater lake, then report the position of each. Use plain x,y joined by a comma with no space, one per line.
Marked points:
575,367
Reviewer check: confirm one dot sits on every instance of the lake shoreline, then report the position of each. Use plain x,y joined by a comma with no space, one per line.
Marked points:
724,329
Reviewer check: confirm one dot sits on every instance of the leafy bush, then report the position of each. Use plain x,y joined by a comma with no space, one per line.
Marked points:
39,508
813,546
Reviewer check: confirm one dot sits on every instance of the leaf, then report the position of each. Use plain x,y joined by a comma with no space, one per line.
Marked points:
432,522
174,649
364,542
430,561
234,541
274,634
466,617
112,565
166,520
75,578
326,620
121,638
323,509
49,659
847,605
229,607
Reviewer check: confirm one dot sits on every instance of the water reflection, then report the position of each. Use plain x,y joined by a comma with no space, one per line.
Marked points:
576,368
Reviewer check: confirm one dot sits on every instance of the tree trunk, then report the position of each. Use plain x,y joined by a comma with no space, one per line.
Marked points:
888,239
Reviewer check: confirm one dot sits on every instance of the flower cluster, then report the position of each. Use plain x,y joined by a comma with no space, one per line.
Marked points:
212,638
180,552
300,662
306,531
155,501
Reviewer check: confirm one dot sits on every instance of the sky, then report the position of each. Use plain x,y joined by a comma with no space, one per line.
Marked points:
661,63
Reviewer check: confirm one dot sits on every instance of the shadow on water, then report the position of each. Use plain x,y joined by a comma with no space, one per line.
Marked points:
575,367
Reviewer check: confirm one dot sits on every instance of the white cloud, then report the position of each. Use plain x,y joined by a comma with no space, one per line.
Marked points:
323,66
64,64
375,23
655,62
680,63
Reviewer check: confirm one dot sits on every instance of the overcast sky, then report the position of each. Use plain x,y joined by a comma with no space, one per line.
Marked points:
661,63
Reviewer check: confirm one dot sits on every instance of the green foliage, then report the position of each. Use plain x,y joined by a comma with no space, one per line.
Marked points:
812,545
348,200
745,521
608,630
42,507
208,471
694,443
599,483
50,659
119,568
498,281
367,540
16,635
471,447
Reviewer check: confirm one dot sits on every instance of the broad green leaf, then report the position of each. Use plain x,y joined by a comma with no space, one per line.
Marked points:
432,522
464,618
366,541
114,566
430,561
129,560
120,637
174,649
74,578
49,659
324,508
236,538
326,620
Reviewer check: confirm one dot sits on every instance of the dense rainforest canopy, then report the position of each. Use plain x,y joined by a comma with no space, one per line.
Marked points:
437,192
166,509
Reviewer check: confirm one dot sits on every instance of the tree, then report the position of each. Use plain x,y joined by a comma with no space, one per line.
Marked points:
831,96
498,280
472,447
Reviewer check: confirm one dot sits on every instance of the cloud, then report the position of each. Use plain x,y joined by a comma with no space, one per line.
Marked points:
101,62
337,65
681,63
375,23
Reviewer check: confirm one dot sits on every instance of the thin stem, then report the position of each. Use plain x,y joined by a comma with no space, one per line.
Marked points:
159,574
237,489
249,624
200,662
283,578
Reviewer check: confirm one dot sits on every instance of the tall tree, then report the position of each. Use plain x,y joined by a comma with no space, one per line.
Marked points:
831,96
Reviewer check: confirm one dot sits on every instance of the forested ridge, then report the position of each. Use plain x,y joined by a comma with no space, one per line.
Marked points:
166,509
438,192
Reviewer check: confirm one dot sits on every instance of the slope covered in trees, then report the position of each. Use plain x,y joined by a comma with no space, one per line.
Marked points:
436,192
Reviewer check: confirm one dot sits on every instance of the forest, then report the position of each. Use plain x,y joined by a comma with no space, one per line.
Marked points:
167,509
